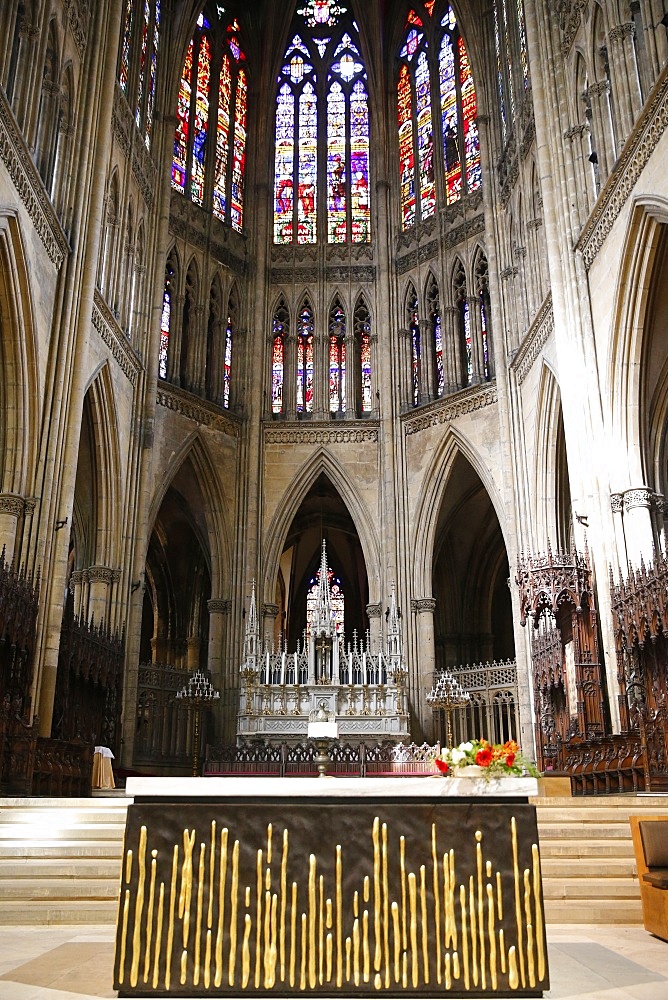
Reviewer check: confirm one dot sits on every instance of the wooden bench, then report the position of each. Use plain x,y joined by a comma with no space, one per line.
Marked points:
650,845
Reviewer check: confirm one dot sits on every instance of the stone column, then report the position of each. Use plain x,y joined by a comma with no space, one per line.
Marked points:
353,375
375,615
617,507
269,614
76,589
406,370
100,583
452,366
193,646
638,528
475,326
174,373
12,507
375,390
196,362
583,169
424,608
218,609
624,76
427,391
160,651
599,98
656,38
290,377
320,377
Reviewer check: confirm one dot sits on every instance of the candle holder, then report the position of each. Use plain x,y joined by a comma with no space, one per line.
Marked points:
447,694
198,692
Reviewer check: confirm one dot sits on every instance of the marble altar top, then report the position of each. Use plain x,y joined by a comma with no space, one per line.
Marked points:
432,786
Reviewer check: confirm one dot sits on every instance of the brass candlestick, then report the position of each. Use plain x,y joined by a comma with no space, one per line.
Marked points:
447,694
198,692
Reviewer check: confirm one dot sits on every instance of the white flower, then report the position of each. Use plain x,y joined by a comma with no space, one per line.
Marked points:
456,755
466,747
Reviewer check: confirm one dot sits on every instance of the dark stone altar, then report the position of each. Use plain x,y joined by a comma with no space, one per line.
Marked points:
339,886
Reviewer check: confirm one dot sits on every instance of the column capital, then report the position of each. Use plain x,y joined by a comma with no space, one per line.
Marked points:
219,606
374,610
423,605
269,610
12,503
103,574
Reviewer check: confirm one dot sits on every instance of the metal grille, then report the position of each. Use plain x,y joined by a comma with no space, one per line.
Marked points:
492,713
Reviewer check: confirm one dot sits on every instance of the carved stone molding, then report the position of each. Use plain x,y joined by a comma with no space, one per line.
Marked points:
443,411
217,606
598,89
422,605
569,13
194,225
106,325
641,497
78,14
577,131
335,273
616,503
321,434
30,189
13,504
269,610
199,410
509,272
535,340
639,147
374,610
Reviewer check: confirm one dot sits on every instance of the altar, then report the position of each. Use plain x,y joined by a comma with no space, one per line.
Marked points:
331,886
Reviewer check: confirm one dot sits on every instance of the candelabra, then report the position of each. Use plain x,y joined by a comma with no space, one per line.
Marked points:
198,692
447,694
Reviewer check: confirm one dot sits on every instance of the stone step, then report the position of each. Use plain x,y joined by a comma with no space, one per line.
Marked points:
63,849
575,831
567,911
58,867
68,888
36,832
80,911
583,888
586,849
564,867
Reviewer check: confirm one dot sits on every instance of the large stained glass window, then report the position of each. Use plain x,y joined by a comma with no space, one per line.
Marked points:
416,346
422,125
138,65
321,165
212,108
362,322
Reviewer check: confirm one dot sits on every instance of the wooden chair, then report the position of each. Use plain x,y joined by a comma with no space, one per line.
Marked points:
650,845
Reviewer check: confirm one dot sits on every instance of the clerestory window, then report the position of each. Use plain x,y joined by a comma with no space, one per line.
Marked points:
436,110
138,67
321,167
209,157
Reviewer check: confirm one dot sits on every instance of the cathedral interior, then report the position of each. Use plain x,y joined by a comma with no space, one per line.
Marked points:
389,276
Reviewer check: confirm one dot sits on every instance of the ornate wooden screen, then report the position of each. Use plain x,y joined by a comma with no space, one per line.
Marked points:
557,597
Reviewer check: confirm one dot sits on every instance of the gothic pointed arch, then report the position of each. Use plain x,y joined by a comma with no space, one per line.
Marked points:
187,369
412,325
364,375
553,528
432,299
19,408
430,498
216,342
168,316
305,328
216,530
633,370
321,462
104,426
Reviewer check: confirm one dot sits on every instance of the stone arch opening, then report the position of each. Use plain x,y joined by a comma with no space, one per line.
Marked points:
322,514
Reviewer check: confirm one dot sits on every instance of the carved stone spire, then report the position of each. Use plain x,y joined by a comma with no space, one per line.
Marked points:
252,631
394,629
323,624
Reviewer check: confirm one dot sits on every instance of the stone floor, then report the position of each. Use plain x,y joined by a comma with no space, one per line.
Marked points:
586,963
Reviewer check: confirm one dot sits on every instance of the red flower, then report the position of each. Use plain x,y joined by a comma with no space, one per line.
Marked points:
484,757
510,760
442,765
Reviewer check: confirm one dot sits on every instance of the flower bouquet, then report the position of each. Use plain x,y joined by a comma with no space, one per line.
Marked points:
495,760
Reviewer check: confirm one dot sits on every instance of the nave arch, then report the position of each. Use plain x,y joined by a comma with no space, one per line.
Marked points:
553,522
19,396
321,463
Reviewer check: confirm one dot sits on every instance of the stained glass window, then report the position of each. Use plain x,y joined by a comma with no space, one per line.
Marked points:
499,74
362,327
416,347
512,59
434,313
124,71
213,98
321,85
279,336
227,366
524,58
165,318
139,63
305,361
337,602
466,321
417,120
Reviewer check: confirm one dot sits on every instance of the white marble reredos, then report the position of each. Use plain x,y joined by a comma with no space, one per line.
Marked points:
432,786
